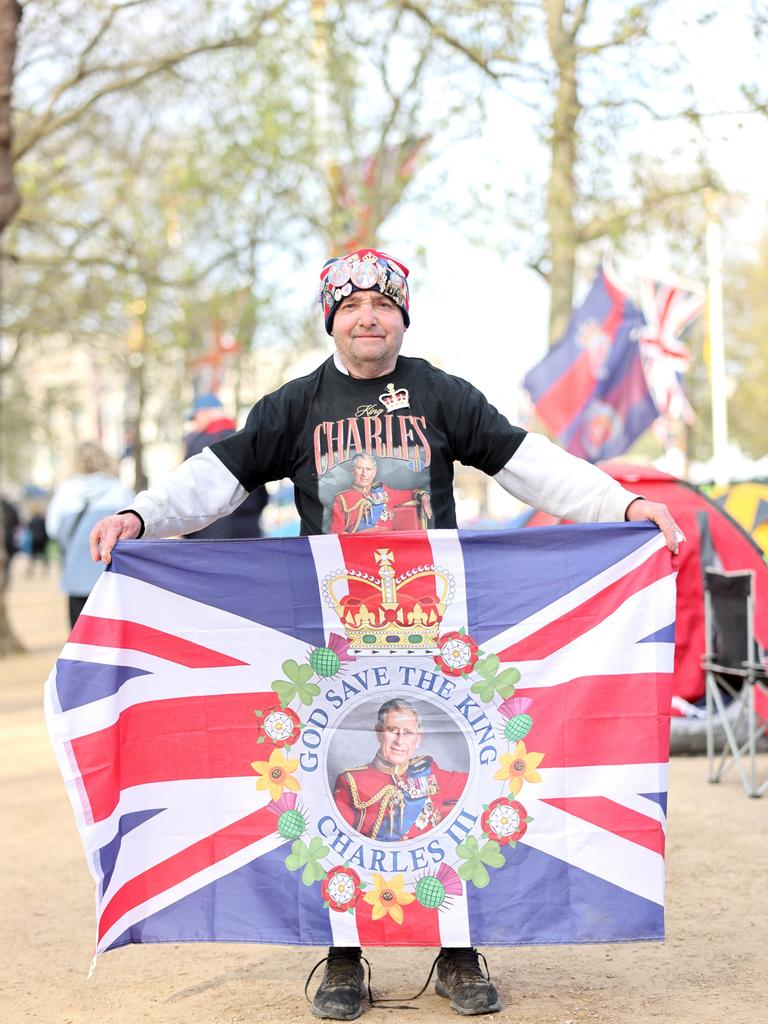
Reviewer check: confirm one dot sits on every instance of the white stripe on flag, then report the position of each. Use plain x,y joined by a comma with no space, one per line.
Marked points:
123,597
454,921
190,885
191,810
447,554
602,651
172,682
620,782
596,851
343,928
562,605
329,559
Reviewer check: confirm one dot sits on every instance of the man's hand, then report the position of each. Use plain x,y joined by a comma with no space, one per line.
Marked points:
654,511
107,532
426,505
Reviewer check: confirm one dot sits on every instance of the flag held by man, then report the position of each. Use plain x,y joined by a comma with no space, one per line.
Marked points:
220,709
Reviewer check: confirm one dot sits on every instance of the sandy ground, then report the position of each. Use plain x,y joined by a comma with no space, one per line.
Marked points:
713,967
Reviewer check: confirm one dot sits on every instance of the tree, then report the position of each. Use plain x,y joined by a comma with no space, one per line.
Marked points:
369,140
10,15
588,83
76,62
122,204
746,302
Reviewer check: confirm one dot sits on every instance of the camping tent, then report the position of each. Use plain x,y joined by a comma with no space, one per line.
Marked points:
747,502
712,538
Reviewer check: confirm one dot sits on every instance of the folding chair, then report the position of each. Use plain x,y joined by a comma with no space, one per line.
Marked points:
736,677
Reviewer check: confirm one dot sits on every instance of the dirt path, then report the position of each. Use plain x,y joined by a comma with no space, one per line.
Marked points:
712,969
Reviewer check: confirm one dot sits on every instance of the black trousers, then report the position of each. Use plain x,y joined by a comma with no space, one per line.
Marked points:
76,605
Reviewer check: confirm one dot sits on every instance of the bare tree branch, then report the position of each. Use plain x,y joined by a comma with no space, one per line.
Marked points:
133,75
620,216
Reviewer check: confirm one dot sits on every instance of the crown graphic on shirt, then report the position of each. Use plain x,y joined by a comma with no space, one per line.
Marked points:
394,398
390,613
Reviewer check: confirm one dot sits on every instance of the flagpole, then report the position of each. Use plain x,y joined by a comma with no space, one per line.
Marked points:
717,344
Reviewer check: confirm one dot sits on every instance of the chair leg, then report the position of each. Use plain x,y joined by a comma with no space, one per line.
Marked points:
732,744
709,683
751,741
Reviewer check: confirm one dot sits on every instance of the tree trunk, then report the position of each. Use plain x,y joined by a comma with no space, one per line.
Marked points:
10,15
561,194
138,389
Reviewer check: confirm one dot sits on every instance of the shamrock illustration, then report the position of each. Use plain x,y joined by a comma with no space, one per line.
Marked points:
307,857
476,857
296,685
493,681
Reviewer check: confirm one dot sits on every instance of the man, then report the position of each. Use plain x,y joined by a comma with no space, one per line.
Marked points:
211,424
368,398
397,796
372,507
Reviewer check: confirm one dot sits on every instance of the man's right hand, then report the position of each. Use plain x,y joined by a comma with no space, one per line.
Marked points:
107,532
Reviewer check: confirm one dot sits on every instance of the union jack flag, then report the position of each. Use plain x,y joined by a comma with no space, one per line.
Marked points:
213,693
668,311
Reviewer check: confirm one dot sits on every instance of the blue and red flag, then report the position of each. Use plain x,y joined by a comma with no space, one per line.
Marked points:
590,389
219,714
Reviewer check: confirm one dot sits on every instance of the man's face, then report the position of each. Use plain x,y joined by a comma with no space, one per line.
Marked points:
363,474
368,329
399,737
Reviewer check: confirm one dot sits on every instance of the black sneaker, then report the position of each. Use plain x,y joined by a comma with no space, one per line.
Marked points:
460,979
340,995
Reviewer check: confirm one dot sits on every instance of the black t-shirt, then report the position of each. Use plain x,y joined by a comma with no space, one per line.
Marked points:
362,453
245,521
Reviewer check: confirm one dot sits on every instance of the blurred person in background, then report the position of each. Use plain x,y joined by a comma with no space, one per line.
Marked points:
212,424
77,504
11,524
38,541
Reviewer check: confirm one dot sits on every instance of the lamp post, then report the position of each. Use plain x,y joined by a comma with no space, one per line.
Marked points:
136,389
717,378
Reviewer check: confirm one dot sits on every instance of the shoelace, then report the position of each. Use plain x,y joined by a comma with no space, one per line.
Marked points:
341,969
467,957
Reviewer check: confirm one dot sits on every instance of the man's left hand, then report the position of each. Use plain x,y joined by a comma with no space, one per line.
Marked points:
426,505
654,511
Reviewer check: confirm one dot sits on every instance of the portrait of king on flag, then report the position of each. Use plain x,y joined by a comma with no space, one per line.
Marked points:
440,738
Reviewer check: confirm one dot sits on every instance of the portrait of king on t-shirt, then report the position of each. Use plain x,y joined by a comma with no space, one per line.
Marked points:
368,504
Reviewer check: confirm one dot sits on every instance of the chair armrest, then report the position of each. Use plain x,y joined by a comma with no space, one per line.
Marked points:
726,670
756,669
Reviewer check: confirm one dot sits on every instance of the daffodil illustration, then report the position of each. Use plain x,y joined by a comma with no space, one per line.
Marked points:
388,896
519,767
277,774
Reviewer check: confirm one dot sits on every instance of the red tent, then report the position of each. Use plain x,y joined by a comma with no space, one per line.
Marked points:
712,538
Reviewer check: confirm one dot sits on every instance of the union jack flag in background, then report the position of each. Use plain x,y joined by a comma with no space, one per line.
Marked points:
211,692
668,310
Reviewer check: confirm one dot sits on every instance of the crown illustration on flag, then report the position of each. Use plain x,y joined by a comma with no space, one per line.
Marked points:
393,398
391,613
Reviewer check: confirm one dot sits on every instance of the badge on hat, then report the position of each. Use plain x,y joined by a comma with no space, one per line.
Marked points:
363,270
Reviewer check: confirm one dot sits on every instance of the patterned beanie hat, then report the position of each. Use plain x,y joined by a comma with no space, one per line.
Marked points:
363,270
